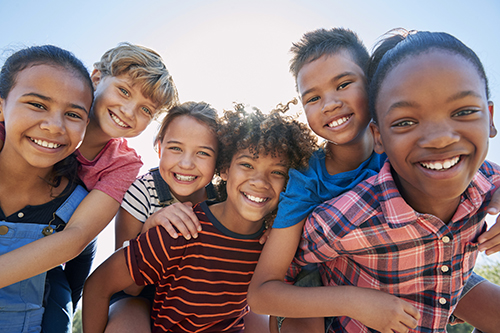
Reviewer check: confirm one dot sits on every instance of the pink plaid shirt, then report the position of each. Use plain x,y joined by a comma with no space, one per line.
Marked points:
370,237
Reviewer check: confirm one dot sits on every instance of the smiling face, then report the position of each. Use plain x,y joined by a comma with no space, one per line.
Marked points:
334,97
45,115
188,154
434,121
253,189
120,109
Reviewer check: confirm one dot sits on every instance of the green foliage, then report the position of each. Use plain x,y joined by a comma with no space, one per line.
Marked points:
77,321
490,271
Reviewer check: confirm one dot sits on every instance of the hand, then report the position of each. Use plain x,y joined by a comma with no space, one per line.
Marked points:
265,236
490,240
384,312
180,215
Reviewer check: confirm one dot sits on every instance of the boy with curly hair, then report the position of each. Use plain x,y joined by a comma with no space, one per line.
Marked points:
202,283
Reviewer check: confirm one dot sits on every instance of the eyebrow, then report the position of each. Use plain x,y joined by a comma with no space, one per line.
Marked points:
48,99
464,94
336,78
203,147
457,96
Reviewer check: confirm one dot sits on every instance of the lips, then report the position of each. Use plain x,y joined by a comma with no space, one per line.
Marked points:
46,144
441,165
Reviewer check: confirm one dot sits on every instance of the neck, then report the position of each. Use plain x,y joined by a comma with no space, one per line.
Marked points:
223,213
194,198
347,157
94,141
442,207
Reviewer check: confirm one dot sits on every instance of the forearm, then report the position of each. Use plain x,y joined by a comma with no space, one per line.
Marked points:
40,256
110,277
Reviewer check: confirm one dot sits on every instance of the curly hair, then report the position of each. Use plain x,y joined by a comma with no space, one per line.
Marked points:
263,134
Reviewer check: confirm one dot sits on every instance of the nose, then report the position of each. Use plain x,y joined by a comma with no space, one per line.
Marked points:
127,109
53,122
186,161
260,180
438,135
331,103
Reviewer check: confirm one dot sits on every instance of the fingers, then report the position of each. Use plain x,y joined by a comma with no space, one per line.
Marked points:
265,236
494,206
182,217
489,241
413,317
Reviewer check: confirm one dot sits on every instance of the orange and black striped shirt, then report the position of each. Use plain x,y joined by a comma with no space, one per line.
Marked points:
202,283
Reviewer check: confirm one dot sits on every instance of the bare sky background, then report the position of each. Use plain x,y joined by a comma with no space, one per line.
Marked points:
225,51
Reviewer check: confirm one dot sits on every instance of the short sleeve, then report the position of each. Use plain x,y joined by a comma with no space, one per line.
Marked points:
300,197
145,257
137,199
112,171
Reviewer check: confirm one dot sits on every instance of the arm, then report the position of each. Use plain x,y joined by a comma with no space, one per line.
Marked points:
268,293
479,307
91,216
490,240
110,277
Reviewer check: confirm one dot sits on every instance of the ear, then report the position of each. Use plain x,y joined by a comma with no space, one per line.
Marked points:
96,77
158,149
2,102
493,130
224,175
378,144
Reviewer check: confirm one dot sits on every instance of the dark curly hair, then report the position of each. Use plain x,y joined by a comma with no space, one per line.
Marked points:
260,133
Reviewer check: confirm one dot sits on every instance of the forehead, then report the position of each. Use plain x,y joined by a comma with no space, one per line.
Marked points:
326,67
275,157
436,75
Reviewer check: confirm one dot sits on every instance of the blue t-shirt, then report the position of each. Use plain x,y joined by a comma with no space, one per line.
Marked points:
307,189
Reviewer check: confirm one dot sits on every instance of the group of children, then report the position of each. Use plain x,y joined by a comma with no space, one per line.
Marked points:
378,228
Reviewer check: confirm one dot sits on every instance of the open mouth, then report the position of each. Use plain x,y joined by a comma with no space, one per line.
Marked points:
441,165
184,178
339,121
254,198
46,144
117,120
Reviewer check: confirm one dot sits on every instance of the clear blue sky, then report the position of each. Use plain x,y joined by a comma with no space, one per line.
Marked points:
227,50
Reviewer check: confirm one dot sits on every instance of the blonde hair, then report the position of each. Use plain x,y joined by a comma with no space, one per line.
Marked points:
146,68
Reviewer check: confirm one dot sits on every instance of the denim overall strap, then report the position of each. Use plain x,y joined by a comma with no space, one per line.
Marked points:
163,191
21,304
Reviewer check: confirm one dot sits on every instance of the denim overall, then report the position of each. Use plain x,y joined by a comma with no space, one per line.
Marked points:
21,304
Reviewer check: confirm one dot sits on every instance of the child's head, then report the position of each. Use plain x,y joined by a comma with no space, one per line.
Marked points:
132,87
329,67
251,141
188,146
46,95
429,100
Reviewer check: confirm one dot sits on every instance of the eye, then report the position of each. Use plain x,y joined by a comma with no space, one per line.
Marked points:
279,173
74,115
38,105
465,112
313,99
246,165
344,85
174,148
147,111
203,153
125,92
404,123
